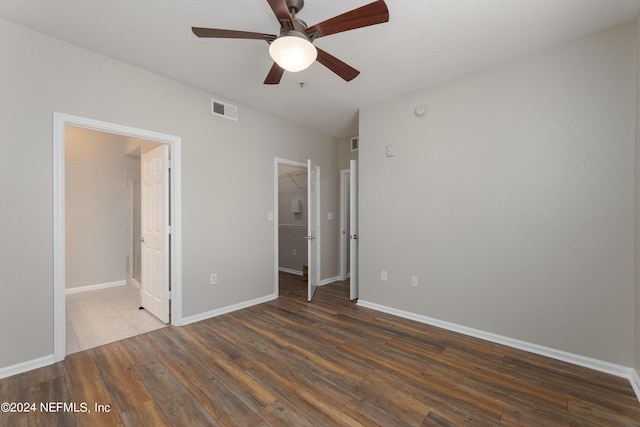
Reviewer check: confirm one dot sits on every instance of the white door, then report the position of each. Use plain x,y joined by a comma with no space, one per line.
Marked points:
313,218
155,232
353,225
345,232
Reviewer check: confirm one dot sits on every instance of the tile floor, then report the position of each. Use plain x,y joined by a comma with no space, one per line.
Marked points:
103,316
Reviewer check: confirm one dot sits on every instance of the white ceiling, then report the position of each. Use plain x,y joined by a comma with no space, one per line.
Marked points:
424,43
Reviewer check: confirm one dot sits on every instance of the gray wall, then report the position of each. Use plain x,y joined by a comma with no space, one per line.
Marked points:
637,205
512,200
227,179
95,207
345,154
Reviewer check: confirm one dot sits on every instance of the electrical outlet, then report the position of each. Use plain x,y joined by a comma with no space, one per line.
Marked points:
414,281
213,279
293,252
383,276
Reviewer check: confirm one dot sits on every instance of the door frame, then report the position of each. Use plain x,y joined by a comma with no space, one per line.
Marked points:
344,222
276,235
61,120
354,231
314,229
156,283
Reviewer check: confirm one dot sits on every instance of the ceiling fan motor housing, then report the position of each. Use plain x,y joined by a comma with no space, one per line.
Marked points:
299,26
296,5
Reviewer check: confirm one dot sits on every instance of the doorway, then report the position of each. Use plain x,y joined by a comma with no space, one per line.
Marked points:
349,227
297,225
102,240
61,121
292,231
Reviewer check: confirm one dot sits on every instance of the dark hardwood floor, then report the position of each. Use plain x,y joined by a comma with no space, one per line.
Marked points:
328,363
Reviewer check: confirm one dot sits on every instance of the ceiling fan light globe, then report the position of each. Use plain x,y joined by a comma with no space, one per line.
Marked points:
293,52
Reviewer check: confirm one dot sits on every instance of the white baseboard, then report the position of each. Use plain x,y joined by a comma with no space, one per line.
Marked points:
70,291
635,382
576,359
22,367
299,273
135,283
290,271
228,309
329,280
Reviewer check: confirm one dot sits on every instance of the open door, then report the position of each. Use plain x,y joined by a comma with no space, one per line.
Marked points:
353,226
155,232
313,218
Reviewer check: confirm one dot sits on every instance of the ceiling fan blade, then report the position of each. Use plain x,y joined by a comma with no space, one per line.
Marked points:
281,10
370,14
274,76
231,34
345,71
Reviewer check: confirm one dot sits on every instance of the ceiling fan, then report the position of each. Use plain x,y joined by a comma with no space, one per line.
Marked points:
293,49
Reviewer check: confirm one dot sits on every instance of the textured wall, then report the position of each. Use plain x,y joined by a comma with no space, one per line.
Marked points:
512,200
227,177
95,207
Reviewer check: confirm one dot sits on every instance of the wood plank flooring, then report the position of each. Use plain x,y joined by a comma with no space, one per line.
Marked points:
328,363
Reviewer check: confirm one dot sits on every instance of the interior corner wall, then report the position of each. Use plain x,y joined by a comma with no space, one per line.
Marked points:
227,179
637,204
345,154
95,208
511,200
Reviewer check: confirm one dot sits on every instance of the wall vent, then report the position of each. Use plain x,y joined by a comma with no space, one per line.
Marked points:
222,109
354,144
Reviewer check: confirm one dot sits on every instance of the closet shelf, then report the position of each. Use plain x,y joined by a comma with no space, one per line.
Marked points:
292,225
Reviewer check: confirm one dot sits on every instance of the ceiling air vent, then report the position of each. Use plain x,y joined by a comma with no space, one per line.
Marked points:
222,109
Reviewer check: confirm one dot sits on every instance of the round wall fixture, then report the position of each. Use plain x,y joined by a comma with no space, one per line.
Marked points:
421,110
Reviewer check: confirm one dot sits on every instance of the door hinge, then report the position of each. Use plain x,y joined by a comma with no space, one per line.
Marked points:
169,294
169,229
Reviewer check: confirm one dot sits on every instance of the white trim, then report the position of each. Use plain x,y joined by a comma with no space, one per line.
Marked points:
59,320
576,359
59,122
134,282
329,280
314,180
321,283
634,379
228,309
88,288
344,237
290,271
29,365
